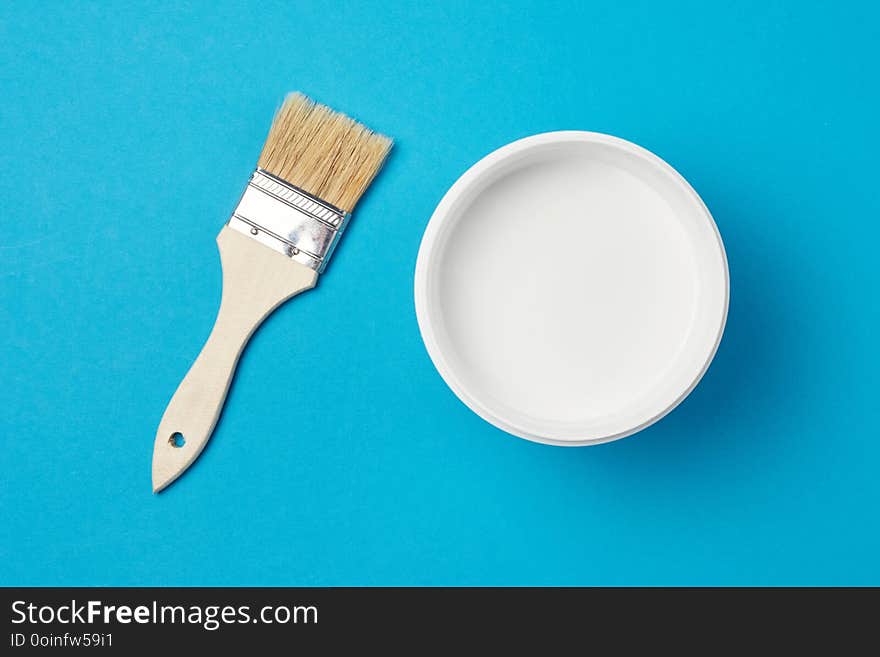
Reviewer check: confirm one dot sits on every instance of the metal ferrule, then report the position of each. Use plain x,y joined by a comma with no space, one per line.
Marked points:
289,220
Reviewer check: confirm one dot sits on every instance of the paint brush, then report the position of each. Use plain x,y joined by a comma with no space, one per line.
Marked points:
315,165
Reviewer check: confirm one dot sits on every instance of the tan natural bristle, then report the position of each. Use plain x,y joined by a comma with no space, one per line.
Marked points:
322,151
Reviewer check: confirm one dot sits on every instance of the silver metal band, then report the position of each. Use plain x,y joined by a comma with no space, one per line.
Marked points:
289,220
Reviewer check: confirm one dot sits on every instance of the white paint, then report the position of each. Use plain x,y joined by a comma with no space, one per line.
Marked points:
571,288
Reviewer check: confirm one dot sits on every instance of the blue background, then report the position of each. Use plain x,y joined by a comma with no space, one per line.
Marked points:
126,135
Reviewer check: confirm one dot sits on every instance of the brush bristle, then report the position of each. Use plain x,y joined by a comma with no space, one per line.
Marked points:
322,151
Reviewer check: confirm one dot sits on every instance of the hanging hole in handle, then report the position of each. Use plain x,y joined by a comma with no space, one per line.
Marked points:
177,439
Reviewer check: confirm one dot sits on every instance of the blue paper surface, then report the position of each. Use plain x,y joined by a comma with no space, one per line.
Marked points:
126,136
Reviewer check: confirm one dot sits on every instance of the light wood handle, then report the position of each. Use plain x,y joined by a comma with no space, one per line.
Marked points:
256,280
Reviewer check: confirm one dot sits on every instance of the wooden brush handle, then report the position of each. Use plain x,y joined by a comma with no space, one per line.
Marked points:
256,280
